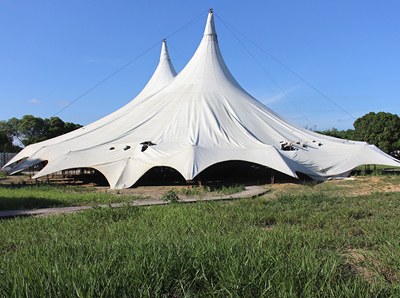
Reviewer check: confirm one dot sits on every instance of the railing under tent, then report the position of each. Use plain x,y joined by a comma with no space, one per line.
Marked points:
70,176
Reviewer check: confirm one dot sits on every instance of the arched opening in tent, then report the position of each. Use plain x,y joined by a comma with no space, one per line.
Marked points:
16,163
36,168
161,175
77,176
90,175
304,178
241,172
39,166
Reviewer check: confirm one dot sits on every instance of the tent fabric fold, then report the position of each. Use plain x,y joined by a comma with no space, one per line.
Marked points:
192,120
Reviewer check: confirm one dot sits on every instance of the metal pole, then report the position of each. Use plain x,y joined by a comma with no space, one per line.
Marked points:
4,155
272,176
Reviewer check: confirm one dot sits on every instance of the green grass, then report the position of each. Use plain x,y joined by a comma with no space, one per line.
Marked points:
201,191
213,190
375,170
307,245
40,196
194,191
170,195
229,190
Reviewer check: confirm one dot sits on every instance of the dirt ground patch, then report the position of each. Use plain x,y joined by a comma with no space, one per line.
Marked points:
358,263
353,186
144,191
370,184
14,180
363,263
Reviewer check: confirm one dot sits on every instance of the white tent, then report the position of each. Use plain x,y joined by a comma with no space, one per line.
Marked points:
189,122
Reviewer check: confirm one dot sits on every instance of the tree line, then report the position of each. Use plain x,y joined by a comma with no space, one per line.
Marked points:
16,133
381,129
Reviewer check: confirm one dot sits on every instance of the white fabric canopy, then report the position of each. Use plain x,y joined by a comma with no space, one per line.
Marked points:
198,118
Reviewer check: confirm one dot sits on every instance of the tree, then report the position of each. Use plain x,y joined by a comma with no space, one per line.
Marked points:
30,129
341,134
56,127
6,141
11,127
381,129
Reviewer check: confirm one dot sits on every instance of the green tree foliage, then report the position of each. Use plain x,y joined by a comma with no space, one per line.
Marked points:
6,141
30,129
381,129
341,134
10,127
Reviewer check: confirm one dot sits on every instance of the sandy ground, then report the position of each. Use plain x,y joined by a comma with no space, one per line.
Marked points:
353,186
249,192
9,180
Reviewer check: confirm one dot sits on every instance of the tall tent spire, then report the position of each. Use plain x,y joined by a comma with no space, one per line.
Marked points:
164,55
207,69
197,119
163,74
210,26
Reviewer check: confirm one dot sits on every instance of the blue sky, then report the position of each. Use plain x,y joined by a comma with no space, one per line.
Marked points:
53,51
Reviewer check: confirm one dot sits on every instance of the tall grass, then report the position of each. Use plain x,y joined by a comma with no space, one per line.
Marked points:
212,190
294,246
40,196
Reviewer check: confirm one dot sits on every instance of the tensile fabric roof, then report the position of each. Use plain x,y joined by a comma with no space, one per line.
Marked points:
191,121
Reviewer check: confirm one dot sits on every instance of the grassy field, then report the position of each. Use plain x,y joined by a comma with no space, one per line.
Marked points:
40,196
335,239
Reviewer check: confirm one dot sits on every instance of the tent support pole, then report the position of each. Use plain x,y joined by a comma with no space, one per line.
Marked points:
272,176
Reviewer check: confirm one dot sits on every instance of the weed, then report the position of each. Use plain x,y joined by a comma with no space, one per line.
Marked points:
228,190
41,196
170,196
195,191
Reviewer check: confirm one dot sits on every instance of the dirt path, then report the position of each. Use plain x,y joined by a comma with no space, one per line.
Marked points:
249,192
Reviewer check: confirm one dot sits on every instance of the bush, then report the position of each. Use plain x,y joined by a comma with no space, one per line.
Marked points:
170,196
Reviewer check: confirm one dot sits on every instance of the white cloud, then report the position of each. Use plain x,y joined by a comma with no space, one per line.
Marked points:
281,95
274,98
34,101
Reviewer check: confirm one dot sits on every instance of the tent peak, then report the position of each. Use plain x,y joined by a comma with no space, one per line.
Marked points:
164,55
163,74
210,26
